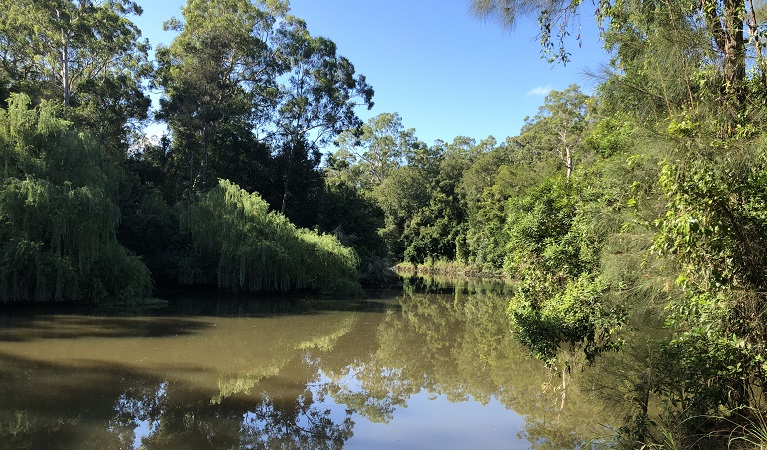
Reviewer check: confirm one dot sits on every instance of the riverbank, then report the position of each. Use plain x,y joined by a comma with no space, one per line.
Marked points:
444,267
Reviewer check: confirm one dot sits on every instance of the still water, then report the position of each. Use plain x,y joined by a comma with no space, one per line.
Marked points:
431,366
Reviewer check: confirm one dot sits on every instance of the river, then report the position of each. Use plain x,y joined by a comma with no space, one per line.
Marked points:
433,365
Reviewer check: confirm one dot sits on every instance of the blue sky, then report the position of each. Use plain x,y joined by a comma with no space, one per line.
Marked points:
446,73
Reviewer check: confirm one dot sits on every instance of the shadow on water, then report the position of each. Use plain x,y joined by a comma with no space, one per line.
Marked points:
229,305
177,318
36,327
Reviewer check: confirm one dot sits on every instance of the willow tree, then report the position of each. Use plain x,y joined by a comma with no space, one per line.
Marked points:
242,246
58,217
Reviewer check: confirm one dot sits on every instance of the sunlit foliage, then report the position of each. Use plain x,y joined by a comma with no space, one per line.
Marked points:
245,247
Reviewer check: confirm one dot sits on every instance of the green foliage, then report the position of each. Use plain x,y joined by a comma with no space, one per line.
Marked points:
87,54
401,196
367,155
560,124
58,217
715,227
250,96
148,225
716,220
560,311
611,135
536,225
354,218
578,249
575,319
248,248
437,230
219,81
498,174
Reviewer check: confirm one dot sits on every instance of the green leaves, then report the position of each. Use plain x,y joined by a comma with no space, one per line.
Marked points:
715,221
242,246
58,217
575,319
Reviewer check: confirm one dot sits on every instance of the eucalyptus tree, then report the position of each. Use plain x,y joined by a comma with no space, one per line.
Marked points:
63,45
317,102
245,77
561,122
219,82
86,53
374,150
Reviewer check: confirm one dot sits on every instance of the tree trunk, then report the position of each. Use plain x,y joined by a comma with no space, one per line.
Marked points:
734,50
564,390
286,180
64,61
727,31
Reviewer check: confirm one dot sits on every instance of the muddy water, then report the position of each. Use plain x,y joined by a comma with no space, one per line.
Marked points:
430,366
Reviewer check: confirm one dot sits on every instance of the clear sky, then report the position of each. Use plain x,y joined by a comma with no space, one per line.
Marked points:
446,73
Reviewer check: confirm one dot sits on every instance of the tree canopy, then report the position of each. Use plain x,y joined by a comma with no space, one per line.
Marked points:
643,197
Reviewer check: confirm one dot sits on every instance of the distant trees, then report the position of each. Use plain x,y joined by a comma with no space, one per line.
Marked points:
560,123
374,150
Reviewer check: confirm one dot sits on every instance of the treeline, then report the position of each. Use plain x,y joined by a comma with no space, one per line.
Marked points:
657,212
232,195
647,198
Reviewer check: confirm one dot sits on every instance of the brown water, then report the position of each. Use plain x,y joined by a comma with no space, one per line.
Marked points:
405,369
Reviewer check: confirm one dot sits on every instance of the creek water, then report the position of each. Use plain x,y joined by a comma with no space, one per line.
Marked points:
432,365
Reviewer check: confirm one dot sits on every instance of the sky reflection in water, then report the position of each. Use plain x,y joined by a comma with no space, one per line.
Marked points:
412,370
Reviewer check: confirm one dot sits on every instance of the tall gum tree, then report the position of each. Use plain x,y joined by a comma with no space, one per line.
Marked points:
251,68
86,54
62,45
218,77
374,150
563,117
317,101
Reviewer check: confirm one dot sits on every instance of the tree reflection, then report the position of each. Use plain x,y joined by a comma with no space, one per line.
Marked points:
299,381
456,341
157,414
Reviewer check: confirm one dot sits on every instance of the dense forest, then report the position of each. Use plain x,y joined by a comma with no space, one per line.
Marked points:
647,197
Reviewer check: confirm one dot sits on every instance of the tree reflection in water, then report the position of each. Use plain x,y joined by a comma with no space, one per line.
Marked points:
291,380
456,341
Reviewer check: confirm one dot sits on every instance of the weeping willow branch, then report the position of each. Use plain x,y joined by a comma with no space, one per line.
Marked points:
251,249
58,218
